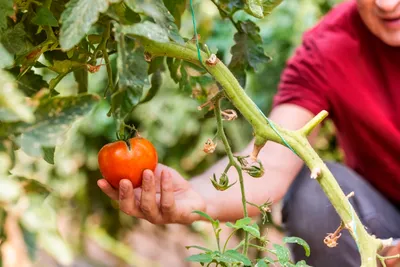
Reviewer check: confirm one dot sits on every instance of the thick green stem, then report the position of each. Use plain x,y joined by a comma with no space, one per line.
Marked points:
368,245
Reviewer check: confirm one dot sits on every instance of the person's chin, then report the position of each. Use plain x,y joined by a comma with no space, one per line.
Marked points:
392,39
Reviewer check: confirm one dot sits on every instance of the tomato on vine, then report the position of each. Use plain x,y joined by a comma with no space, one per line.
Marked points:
127,160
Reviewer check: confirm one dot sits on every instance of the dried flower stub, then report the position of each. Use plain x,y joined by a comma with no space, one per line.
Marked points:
209,146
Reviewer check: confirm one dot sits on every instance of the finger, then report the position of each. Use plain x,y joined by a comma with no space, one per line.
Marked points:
167,195
178,181
107,189
148,203
127,201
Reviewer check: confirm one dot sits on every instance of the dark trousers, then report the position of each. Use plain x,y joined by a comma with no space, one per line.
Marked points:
307,213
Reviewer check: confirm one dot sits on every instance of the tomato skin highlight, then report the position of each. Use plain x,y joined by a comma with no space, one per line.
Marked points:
117,161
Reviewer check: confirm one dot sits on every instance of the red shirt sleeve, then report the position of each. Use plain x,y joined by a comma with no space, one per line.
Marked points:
303,81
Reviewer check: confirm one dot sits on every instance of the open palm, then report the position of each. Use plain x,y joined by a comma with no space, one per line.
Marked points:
164,197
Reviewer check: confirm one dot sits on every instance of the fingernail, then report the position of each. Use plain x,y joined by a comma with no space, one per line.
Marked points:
147,180
123,186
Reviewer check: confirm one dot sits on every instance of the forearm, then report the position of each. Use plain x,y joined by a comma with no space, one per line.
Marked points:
280,164
227,205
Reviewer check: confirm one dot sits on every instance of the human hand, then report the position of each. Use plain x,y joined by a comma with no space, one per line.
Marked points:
392,251
164,197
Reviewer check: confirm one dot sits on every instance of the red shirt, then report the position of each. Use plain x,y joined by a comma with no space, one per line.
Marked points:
343,68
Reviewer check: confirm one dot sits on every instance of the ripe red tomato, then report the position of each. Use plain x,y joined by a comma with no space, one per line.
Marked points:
118,161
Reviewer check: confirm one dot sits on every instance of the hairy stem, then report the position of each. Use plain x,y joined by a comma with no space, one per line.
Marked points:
232,162
227,240
368,245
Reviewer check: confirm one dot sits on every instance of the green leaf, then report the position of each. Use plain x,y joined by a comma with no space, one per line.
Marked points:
299,241
157,10
302,264
237,257
203,214
54,117
231,5
6,10
16,40
34,186
184,82
30,240
44,17
65,66
12,102
176,8
242,222
48,154
6,59
123,14
148,30
156,64
54,244
282,253
10,189
231,225
201,248
269,260
30,83
247,53
269,5
132,73
156,82
77,18
252,229
255,8
261,263
173,67
203,258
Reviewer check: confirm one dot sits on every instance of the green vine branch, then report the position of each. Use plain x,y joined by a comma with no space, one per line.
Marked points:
232,163
368,245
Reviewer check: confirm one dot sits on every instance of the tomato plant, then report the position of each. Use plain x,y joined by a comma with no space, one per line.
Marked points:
72,72
127,160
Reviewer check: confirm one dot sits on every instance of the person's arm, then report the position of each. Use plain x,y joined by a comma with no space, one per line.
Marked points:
281,166
166,197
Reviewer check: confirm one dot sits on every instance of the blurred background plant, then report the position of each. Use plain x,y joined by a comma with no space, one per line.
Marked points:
54,215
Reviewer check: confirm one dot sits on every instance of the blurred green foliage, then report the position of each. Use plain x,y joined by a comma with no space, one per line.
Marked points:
170,120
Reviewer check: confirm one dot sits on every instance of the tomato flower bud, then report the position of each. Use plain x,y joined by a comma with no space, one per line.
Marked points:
255,171
223,182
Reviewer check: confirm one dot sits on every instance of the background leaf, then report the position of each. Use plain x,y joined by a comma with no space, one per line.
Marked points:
122,13
233,254
147,30
176,8
30,83
157,10
12,103
6,9
6,59
77,19
54,117
252,229
247,53
269,5
132,73
299,241
48,154
44,17
282,253
203,258
16,40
